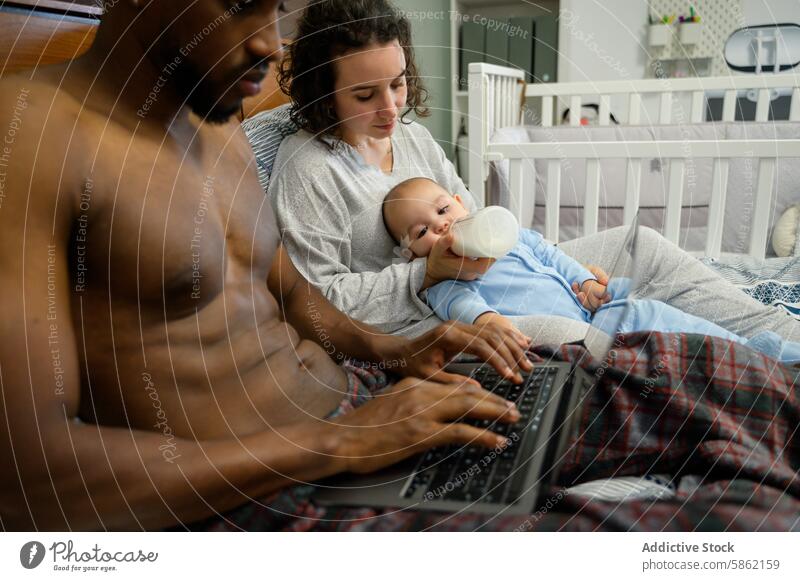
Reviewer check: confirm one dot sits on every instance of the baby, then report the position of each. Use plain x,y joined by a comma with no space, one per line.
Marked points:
537,278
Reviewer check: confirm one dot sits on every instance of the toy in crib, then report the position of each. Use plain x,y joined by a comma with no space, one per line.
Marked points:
786,235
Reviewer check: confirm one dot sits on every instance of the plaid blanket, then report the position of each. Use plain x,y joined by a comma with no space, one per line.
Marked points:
718,417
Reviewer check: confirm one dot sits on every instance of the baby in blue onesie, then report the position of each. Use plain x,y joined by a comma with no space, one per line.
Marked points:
537,278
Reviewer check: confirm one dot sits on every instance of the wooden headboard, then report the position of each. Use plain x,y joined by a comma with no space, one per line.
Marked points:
46,35
35,33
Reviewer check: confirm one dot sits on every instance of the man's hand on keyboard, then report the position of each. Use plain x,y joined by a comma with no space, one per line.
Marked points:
415,415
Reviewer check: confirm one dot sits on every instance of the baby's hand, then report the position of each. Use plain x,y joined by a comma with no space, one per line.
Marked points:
592,295
598,273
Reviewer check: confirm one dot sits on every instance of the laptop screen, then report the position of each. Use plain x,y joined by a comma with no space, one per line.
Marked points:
623,285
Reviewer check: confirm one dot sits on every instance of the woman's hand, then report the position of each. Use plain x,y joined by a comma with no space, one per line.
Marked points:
444,264
413,416
426,356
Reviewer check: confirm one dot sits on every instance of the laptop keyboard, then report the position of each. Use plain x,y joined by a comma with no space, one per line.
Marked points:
468,473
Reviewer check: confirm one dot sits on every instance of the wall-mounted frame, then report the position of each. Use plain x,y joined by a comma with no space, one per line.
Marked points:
765,48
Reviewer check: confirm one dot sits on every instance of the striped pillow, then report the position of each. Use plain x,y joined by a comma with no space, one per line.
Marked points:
266,132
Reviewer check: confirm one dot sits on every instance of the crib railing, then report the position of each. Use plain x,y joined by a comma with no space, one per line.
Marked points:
522,175
496,98
761,88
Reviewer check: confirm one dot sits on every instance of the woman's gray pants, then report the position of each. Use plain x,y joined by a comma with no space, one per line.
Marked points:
670,275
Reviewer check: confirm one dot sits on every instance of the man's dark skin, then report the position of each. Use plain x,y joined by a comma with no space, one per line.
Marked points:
159,360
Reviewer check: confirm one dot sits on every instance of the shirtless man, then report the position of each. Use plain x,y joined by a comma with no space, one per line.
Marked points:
160,359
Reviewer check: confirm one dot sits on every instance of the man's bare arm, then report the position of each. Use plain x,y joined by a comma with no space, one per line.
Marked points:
316,319
62,474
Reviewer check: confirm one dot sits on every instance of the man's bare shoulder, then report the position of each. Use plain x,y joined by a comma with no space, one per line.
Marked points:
232,138
41,108
40,89
41,131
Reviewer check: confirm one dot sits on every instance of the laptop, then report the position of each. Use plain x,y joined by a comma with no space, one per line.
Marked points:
510,480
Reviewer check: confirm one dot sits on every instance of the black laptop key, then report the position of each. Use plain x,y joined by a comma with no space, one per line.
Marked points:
496,491
504,466
434,457
510,452
477,484
438,484
501,429
434,469
491,378
515,391
503,388
445,467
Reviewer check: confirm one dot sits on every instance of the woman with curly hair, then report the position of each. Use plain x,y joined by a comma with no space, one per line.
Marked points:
354,84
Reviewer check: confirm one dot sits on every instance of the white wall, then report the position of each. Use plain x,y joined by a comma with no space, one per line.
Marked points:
601,41
770,11
432,42
605,39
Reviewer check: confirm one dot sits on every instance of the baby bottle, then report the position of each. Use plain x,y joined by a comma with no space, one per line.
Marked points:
488,233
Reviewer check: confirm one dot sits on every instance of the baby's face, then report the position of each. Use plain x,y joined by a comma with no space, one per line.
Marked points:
424,213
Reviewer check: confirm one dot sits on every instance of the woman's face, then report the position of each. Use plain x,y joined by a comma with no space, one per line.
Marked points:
370,90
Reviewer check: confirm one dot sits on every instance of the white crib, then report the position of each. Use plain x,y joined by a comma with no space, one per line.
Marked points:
498,97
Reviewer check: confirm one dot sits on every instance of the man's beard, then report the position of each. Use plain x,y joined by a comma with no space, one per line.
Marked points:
200,95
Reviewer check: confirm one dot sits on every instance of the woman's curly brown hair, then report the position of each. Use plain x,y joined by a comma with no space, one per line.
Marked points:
328,29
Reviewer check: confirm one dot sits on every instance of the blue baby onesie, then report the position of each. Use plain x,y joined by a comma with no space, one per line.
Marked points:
536,278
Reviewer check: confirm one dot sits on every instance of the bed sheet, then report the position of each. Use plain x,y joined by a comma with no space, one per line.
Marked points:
773,281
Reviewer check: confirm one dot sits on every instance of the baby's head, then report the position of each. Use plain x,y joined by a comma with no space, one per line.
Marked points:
420,211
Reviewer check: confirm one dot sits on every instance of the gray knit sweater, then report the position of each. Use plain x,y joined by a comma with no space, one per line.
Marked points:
328,205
